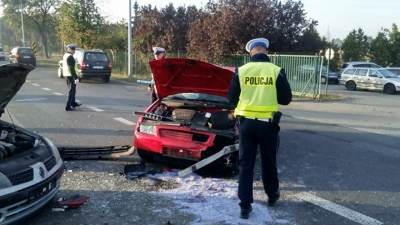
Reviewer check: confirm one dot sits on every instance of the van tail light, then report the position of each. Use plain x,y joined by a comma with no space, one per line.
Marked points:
110,65
18,56
84,65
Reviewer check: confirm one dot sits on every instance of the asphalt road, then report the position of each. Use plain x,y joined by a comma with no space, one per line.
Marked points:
338,161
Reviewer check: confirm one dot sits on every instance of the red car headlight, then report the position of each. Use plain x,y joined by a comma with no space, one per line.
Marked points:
147,129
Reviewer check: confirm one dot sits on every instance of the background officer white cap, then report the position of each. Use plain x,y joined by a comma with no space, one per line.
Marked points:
257,42
158,50
70,46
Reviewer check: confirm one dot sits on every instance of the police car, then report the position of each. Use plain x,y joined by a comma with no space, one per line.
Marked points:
30,164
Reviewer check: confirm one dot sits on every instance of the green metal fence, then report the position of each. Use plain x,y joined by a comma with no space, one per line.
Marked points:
303,71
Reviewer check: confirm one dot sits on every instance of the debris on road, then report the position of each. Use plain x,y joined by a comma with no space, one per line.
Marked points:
73,202
212,200
98,152
139,170
225,151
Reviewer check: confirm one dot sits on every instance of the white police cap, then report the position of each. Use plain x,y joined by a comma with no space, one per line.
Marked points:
70,46
157,50
263,42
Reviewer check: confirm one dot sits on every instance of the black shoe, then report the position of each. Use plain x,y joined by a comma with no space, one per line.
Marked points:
69,109
245,212
76,104
274,198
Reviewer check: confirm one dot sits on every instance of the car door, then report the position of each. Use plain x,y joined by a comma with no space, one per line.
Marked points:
375,79
360,77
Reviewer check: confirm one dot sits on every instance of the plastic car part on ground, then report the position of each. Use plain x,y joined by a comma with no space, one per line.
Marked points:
73,202
98,152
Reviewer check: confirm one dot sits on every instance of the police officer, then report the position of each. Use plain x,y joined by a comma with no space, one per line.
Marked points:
69,73
159,53
256,90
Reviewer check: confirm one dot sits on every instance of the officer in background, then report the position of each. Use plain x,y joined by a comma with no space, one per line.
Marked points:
159,53
70,74
256,90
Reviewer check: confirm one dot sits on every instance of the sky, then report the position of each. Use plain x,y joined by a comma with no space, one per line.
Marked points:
336,18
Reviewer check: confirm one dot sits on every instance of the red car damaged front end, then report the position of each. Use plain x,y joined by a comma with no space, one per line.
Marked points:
192,118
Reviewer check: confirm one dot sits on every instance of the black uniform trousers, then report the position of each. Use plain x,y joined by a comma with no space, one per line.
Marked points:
254,134
71,92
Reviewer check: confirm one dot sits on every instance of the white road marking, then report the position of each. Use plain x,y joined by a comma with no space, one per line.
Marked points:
28,81
124,121
95,109
338,209
30,99
35,84
46,89
58,93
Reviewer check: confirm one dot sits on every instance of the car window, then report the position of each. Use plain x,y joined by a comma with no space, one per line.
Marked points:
95,57
25,51
361,72
349,71
1,50
345,65
373,73
374,66
387,74
395,71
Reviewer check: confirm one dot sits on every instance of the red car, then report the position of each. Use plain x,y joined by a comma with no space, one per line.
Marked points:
192,118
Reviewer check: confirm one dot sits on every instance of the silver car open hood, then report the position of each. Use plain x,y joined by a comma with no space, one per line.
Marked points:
12,77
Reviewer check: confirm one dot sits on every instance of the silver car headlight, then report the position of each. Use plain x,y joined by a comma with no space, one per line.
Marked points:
53,149
147,129
4,181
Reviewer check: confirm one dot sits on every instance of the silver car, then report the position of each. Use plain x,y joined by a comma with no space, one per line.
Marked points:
30,164
371,79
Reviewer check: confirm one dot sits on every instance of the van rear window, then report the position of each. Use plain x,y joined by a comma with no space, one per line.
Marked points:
95,57
25,51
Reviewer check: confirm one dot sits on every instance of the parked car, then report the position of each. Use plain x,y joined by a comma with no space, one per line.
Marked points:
371,79
352,65
394,70
333,77
192,118
3,56
23,55
90,64
30,164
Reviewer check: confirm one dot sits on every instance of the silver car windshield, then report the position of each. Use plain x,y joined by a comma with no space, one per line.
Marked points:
388,74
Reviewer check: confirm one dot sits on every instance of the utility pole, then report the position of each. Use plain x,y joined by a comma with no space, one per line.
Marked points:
130,40
22,25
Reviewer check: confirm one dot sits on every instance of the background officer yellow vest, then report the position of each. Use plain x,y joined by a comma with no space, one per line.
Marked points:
65,67
258,98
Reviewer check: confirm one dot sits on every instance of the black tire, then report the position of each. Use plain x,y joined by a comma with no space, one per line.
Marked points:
106,79
351,85
146,156
389,89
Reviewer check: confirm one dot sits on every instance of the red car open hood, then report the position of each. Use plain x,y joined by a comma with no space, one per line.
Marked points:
174,76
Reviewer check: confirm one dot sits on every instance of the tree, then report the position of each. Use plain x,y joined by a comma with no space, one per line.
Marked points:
380,49
394,40
311,41
38,14
80,22
355,46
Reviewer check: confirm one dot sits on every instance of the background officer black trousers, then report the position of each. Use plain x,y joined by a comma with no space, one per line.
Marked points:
254,134
71,92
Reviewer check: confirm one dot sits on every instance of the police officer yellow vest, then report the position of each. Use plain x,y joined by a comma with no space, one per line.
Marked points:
258,98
